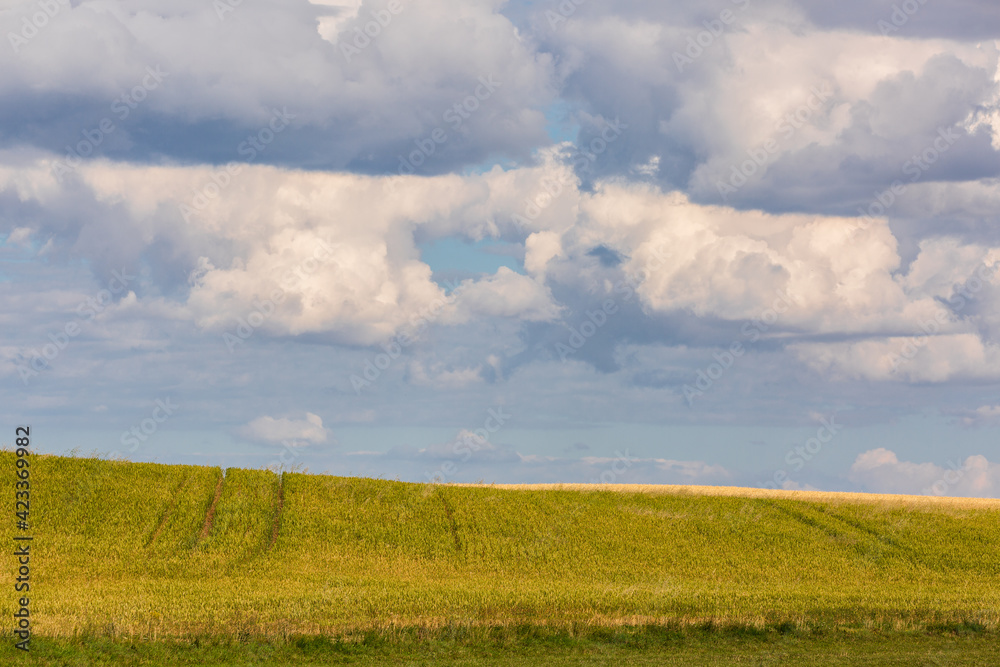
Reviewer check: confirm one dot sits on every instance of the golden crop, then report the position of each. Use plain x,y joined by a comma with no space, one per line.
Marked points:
149,551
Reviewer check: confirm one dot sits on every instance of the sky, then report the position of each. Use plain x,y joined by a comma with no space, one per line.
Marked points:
724,242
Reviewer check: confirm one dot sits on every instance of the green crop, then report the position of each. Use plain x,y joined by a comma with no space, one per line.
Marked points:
151,551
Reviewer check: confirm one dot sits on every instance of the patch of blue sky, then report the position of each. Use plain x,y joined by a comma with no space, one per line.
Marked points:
560,122
451,255
489,163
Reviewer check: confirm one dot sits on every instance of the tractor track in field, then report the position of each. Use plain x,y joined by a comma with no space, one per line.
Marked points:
206,527
877,536
873,536
169,511
451,521
279,503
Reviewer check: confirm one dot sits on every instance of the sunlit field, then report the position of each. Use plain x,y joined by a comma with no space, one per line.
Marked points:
159,555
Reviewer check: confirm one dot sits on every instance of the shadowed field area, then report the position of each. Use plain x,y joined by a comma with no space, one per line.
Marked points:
135,552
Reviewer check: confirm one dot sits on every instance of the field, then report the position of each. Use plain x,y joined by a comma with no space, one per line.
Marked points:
138,563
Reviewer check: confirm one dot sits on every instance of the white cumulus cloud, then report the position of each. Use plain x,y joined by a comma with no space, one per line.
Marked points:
881,471
295,432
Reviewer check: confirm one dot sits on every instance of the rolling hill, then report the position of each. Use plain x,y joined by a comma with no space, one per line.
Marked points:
148,552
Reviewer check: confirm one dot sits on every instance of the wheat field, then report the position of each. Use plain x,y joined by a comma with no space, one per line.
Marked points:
151,551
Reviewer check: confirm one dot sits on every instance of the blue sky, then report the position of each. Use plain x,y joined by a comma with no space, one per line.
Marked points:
731,242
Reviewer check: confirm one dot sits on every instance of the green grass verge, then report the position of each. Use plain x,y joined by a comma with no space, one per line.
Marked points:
533,646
